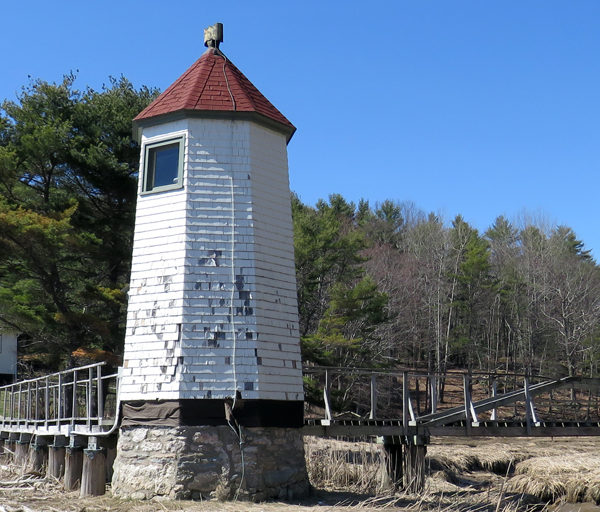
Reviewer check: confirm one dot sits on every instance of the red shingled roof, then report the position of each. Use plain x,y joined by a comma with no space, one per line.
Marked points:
204,87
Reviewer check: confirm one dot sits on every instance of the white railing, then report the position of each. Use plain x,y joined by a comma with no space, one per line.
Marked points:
80,400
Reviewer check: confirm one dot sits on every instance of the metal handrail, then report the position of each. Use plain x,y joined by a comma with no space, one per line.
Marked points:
50,375
70,401
367,390
412,372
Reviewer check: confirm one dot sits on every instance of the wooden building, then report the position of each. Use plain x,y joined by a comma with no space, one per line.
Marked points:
212,345
8,357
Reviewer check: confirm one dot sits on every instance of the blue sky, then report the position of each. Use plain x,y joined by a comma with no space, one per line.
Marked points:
472,107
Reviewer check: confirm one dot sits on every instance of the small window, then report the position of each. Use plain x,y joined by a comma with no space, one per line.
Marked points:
163,167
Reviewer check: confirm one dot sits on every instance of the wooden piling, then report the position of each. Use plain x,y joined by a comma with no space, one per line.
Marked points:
38,457
73,467
56,458
393,463
93,477
9,450
21,453
5,449
413,467
56,461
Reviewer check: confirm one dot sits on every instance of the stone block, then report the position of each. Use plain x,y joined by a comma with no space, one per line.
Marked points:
206,461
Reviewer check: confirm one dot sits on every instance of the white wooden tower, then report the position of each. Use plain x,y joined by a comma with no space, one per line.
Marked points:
212,322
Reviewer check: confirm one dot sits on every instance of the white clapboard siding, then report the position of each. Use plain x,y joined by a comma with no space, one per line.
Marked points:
8,353
185,336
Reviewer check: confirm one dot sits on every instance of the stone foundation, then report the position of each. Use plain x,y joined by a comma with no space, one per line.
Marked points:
206,462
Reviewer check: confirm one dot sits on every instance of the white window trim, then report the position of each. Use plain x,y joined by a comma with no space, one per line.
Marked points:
164,142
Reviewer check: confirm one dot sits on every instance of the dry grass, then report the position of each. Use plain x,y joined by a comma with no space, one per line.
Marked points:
464,475
335,465
451,486
539,470
575,477
357,467
478,457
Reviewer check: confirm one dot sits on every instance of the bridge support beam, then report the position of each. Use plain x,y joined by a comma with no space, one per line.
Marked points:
404,462
413,467
392,447
3,452
73,464
38,455
93,476
22,450
10,446
56,457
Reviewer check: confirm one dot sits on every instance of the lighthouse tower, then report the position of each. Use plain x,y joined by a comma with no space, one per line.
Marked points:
211,387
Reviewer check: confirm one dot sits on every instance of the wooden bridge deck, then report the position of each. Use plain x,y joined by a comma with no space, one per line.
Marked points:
355,403
77,402
53,418
527,406
381,428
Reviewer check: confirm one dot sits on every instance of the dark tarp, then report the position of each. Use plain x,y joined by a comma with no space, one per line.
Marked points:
192,412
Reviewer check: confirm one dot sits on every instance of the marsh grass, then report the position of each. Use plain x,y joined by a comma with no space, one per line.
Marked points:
334,465
451,485
574,477
464,475
480,475
469,458
359,467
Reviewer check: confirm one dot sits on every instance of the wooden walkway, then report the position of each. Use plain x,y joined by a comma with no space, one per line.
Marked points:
67,423
407,404
84,402
81,401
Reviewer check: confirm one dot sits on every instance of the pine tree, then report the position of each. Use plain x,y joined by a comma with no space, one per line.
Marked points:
68,170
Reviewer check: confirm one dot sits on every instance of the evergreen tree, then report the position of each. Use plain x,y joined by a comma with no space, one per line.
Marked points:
68,168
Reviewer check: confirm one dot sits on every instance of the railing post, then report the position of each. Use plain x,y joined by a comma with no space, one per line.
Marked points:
89,397
327,398
19,405
54,403
527,406
28,404
60,398
46,402
405,402
100,396
470,414
373,412
12,402
530,416
494,414
4,405
433,387
74,399
37,400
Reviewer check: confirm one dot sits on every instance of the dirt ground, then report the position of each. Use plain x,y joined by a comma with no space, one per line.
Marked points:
454,484
40,496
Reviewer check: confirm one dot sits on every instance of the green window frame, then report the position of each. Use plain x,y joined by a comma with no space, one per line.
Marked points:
163,165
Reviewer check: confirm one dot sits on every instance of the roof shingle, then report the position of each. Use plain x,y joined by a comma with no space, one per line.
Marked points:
213,83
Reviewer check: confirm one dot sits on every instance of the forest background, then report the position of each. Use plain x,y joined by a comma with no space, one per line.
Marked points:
379,285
